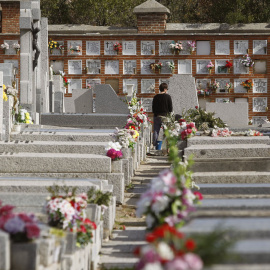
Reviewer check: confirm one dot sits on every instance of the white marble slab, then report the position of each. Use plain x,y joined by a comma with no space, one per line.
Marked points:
74,44
74,84
222,47
130,85
147,47
258,120
108,47
147,86
92,47
203,48
164,47
129,67
57,65
94,66
201,66
222,83
203,83
222,100
239,68
75,67
90,83
145,66
259,104
111,67
259,85
238,88
165,68
11,50
259,46
184,66
219,66
240,46
147,104
57,51
129,48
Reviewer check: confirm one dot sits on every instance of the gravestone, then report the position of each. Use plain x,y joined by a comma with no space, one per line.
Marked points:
222,47
130,67
147,104
130,85
74,84
202,84
260,67
184,66
74,47
222,100
258,120
164,47
165,68
8,75
11,50
259,85
222,84
203,48
238,88
80,102
240,46
183,92
91,83
239,68
92,47
186,47
147,86
111,67
93,66
145,67
57,66
147,47
107,101
4,251
129,48
259,46
201,66
220,67
59,92
75,67
260,104
228,111
108,47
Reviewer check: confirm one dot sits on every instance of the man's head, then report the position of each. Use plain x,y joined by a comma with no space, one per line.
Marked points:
163,87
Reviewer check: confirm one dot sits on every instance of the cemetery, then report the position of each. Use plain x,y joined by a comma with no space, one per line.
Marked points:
81,185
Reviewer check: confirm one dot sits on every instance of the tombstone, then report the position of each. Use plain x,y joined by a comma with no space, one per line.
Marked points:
203,47
111,67
260,104
74,47
220,67
183,93
165,68
201,66
108,47
8,73
228,111
107,101
239,68
74,84
57,51
130,67
129,48
259,85
222,47
202,84
259,46
222,84
4,251
129,86
75,67
147,104
186,48
147,86
91,83
93,66
240,46
260,67
164,47
57,66
222,100
238,88
92,47
145,67
185,66
258,120
147,47
80,102
11,50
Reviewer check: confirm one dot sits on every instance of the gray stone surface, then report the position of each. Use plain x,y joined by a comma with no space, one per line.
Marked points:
117,166
80,102
4,251
93,212
228,111
107,101
183,92
7,117
7,70
150,6
1,106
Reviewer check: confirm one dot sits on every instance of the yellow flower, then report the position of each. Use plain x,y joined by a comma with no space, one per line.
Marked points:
27,116
27,121
5,97
136,135
4,87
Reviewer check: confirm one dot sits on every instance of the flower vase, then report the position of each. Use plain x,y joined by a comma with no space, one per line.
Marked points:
17,51
134,71
210,71
229,70
51,51
86,70
17,128
177,52
152,51
62,52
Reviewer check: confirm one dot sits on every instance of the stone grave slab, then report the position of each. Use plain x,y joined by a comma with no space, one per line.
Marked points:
164,47
147,47
222,47
186,48
201,66
203,83
147,104
130,85
57,65
258,120
108,47
74,47
260,104
164,81
228,111
129,48
91,83
203,48
8,75
260,67
239,68
92,47
220,67
222,100
130,67
222,83
75,67
145,67
259,46
57,51
238,88
111,67
183,92
107,101
259,85
11,50
240,46
93,66
147,86
166,69
74,84
184,66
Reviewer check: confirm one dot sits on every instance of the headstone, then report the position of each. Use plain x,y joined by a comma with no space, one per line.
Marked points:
80,102
203,47
222,100
111,67
164,47
238,88
130,67
148,86
259,46
222,83
145,67
93,66
147,104
91,83
4,251
259,85
222,47
74,84
183,93
260,67
220,67
92,47
129,48
258,120
75,67
228,111
186,48
202,84
165,68
260,104
107,101
57,66
201,66
164,81
184,66
239,68
147,47
8,73
108,47
11,50
74,47
56,51
130,85
240,46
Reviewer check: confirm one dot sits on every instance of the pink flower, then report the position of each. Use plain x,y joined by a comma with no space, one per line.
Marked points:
32,230
189,131
6,209
193,261
177,264
168,177
24,217
192,125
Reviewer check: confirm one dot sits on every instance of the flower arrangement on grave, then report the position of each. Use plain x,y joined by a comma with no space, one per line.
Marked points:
171,66
5,46
188,130
253,133
250,122
126,137
65,80
228,66
247,84
156,67
247,61
204,92
176,47
75,49
67,212
23,116
168,199
210,66
117,47
215,85
170,123
192,46
17,47
167,249
221,132
113,150
21,227
228,87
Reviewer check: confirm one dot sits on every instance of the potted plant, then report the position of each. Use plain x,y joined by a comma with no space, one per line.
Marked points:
247,84
171,66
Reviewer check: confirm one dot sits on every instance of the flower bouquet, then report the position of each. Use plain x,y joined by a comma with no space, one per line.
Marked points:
117,47
176,47
221,132
215,85
114,150
17,47
75,49
188,130
23,117
247,61
228,66
5,46
210,66
228,87
171,66
204,92
156,67
192,46
247,84
65,80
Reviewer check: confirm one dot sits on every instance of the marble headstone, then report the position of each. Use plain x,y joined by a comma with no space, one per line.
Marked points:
240,46
259,104
129,48
183,93
222,47
74,84
238,88
259,85
201,66
91,83
165,68
260,67
239,68
147,47
130,85
11,50
92,47
147,86
129,67
203,48
94,66
145,66
222,100
164,47
74,44
8,75
222,83
57,65
258,120
184,66
259,46
75,67
147,104
108,47
111,67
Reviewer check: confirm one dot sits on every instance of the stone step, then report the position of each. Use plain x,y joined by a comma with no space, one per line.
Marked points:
260,164
53,163
234,188
228,151
97,148
232,177
228,140
239,267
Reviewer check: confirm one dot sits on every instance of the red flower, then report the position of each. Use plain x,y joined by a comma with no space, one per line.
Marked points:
150,238
190,245
189,131
228,64
137,251
197,107
6,209
198,195
24,217
32,230
82,229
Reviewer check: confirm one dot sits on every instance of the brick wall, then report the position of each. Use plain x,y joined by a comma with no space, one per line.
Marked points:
10,17
151,23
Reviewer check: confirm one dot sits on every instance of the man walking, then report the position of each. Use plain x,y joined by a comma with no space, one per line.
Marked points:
161,106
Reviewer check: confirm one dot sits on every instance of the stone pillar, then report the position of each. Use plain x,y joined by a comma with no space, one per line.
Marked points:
1,105
7,117
4,251
58,94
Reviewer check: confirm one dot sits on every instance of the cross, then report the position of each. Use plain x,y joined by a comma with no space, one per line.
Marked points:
125,45
107,43
237,43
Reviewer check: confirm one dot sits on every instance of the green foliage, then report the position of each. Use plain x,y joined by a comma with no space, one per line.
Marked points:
98,197
213,248
202,119
56,190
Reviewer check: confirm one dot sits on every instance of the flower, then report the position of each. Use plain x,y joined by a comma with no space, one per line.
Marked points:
247,61
210,65
228,64
32,230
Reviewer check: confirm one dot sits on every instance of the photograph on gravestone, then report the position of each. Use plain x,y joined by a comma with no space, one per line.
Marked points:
74,47
112,67
238,88
259,85
114,83
239,68
222,47
90,83
92,47
75,67
129,48
74,84
202,84
12,44
164,81
108,47
186,47
260,67
184,66
222,100
259,46
164,47
203,48
201,66
145,67
166,66
240,46
57,66
147,104
130,67
147,47
222,84
56,51
93,66
260,104
258,120
130,85
147,86
220,67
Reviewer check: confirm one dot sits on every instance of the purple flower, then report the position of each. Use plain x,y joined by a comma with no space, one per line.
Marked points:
14,225
177,264
194,262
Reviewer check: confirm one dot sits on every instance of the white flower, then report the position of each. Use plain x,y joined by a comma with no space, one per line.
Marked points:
157,184
160,204
113,145
165,251
149,221
153,266
142,205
